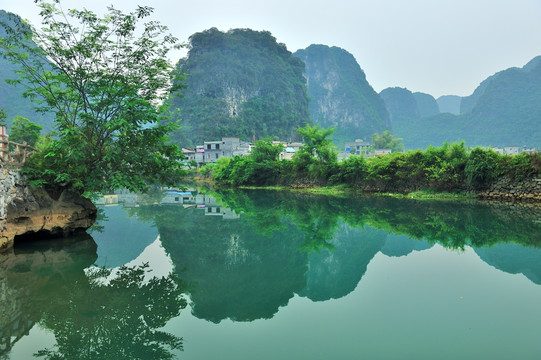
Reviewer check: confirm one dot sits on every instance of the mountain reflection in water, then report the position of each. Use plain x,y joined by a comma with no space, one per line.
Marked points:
245,267
239,255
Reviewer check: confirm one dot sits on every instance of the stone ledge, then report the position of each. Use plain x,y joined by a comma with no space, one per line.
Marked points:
33,212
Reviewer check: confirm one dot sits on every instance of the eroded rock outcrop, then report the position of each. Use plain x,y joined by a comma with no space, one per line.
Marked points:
30,212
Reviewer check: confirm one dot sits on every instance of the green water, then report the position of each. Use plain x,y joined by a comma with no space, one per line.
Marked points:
272,275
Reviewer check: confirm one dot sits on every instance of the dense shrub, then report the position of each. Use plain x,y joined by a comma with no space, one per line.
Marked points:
351,171
444,166
450,167
524,166
483,167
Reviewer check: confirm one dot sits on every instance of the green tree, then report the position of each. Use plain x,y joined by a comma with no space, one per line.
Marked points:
483,167
387,141
352,170
265,150
318,156
104,77
317,143
23,130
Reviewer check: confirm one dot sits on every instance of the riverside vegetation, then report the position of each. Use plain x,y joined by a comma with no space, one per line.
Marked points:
449,168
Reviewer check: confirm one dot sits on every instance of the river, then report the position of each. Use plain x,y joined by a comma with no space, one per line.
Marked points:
279,275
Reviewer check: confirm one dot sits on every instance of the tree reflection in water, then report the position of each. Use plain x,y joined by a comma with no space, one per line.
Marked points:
94,313
99,317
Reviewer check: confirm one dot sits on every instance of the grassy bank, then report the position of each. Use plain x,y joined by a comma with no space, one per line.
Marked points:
347,191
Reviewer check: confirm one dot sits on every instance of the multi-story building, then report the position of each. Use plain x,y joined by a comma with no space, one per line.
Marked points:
357,147
227,147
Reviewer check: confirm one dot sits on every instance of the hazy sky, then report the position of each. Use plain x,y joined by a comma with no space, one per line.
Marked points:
435,46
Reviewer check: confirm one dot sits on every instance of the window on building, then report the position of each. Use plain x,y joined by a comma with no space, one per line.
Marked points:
217,146
217,155
208,146
176,199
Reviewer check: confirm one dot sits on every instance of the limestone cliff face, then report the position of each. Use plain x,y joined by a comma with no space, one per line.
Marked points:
341,96
28,212
239,83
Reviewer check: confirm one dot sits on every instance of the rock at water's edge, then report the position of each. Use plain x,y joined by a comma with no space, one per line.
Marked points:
34,211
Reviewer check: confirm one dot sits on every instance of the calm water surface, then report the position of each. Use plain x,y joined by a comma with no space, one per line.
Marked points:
271,275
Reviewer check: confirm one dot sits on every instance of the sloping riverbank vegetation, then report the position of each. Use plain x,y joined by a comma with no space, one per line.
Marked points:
451,167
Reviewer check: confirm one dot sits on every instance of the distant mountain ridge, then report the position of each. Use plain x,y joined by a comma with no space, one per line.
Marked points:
504,110
340,95
402,107
426,104
469,102
450,104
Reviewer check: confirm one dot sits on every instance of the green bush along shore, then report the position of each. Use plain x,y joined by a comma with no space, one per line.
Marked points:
450,168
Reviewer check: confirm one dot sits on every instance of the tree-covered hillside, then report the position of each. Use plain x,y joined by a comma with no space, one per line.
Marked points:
240,83
509,110
11,97
340,96
426,104
402,108
505,110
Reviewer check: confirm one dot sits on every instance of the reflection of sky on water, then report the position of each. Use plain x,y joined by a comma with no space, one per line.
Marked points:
127,241
160,265
155,256
38,338
123,238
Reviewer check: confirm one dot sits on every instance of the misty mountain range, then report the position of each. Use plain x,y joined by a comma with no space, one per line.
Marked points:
244,83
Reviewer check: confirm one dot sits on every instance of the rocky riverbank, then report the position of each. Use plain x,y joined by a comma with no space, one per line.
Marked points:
507,190
27,212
